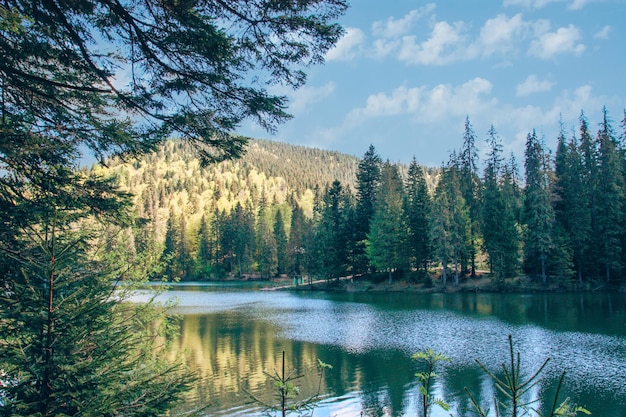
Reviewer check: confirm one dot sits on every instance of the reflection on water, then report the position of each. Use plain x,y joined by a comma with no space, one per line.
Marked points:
232,337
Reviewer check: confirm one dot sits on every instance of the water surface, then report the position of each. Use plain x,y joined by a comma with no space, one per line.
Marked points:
233,336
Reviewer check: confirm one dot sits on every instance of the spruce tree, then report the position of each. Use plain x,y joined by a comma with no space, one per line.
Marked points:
538,212
417,208
169,256
330,236
298,248
610,191
571,211
204,255
588,197
368,178
450,220
280,235
499,225
69,345
386,241
470,186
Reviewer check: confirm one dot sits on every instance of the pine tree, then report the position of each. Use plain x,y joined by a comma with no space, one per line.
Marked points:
470,186
386,241
243,237
610,191
368,177
417,208
571,212
204,255
184,250
298,248
280,235
68,346
588,196
499,225
538,212
330,236
266,251
450,220
169,256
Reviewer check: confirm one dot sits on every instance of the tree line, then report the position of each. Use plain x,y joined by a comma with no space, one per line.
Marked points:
560,222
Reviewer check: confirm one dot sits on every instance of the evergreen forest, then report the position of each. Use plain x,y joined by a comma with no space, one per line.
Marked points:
556,218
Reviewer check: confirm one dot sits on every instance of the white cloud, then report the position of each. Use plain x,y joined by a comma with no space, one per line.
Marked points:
384,47
538,4
305,96
564,40
393,28
603,33
529,4
578,4
426,105
347,47
442,47
499,35
532,85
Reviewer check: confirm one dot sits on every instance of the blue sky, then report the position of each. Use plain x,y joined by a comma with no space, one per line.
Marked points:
407,73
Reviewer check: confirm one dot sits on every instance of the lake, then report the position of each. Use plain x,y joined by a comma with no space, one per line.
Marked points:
234,335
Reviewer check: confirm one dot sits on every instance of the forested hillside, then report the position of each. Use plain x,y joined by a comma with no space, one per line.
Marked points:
285,209
180,199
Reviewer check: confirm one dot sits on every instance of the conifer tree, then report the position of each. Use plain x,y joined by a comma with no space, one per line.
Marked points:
280,235
243,237
571,212
588,195
450,220
417,209
538,211
470,186
610,191
368,178
386,240
68,346
204,255
169,256
185,256
501,240
298,248
266,251
330,236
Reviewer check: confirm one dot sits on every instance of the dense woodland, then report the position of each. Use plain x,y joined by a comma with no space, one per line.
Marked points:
304,212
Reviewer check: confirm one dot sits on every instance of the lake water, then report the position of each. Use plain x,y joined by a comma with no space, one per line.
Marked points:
233,336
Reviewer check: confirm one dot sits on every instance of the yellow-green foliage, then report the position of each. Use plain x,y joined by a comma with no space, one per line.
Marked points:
172,180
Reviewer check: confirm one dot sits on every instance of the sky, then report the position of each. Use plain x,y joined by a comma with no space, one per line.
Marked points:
408,73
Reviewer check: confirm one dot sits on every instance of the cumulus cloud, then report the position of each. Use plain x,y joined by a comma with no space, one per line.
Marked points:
347,47
305,96
532,85
398,27
499,35
564,40
603,33
427,104
441,47
538,4
529,4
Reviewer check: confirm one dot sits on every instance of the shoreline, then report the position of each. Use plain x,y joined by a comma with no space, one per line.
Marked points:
476,285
